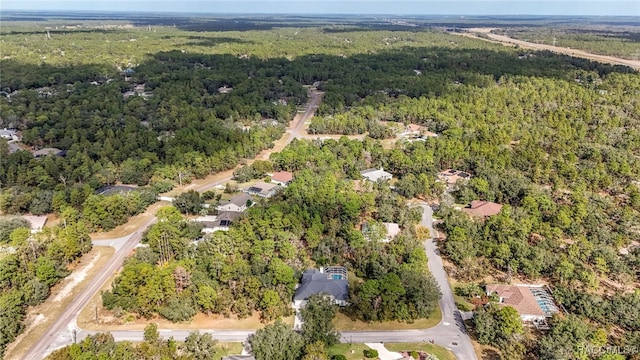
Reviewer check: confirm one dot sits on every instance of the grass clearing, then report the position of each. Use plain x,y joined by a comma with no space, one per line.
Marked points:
440,352
40,318
350,351
343,323
227,348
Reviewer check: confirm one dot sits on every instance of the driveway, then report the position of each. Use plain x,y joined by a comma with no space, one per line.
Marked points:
383,353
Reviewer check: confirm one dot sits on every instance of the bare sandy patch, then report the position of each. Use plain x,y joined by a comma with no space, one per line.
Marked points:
135,223
40,318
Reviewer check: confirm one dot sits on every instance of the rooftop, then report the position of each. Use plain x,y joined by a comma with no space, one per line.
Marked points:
48,151
240,199
451,176
528,300
262,188
282,176
332,282
483,208
393,229
37,222
376,174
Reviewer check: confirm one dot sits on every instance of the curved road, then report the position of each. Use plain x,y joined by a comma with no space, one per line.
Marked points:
61,333
450,332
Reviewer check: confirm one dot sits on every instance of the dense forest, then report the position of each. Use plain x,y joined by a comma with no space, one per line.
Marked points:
256,265
555,139
36,263
196,346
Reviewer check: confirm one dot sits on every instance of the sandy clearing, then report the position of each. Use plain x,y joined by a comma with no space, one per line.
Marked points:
505,40
74,279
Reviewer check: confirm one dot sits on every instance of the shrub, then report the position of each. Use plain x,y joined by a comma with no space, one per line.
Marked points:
370,353
338,357
464,306
415,355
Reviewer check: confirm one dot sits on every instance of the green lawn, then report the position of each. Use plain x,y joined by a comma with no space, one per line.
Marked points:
440,352
352,352
343,323
227,348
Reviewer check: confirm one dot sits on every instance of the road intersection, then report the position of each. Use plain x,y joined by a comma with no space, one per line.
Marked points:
449,333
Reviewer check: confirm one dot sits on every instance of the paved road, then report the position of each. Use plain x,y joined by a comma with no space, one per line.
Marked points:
293,130
451,332
558,49
59,334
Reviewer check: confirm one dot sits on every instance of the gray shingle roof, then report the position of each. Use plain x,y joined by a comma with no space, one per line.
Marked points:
314,282
240,200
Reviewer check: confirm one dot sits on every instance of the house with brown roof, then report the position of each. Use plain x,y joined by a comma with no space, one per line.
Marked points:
534,303
282,178
483,209
451,177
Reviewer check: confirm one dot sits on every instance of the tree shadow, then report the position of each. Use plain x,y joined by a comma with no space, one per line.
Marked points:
214,41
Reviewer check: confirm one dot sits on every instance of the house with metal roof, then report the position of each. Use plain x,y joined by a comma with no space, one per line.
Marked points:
49,151
375,175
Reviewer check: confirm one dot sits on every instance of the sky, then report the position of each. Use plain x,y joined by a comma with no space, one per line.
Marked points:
400,7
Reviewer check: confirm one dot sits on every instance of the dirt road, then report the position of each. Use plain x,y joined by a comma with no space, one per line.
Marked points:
505,40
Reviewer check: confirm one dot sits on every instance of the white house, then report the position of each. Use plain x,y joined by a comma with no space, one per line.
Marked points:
221,222
238,203
374,175
9,134
282,178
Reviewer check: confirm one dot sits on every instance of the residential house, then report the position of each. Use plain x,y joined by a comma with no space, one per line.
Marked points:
37,222
263,189
534,303
238,203
331,281
384,232
375,175
48,151
282,178
483,209
221,222
452,177
10,134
